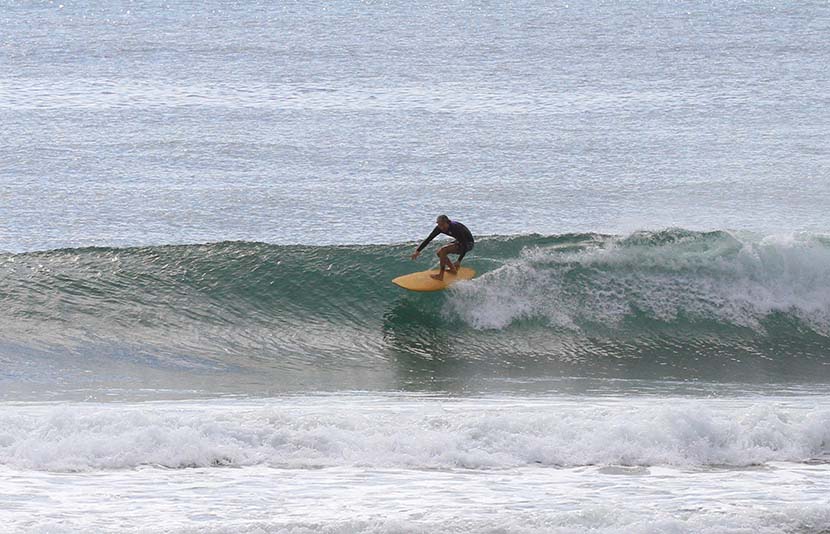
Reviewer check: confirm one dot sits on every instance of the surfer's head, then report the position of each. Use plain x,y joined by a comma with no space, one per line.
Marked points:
443,222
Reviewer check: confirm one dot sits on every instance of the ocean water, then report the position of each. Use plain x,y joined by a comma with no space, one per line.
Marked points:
202,204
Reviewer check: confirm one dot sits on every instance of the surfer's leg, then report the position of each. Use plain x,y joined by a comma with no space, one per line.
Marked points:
461,249
442,260
446,263
454,248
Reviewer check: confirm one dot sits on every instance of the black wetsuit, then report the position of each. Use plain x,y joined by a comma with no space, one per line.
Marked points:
462,235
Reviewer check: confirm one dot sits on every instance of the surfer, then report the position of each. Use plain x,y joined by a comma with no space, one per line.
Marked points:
462,244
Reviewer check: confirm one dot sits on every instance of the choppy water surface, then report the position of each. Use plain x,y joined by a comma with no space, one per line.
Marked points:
202,204
139,124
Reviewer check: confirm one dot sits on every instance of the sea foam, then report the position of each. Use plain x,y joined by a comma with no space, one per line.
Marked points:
390,433
674,276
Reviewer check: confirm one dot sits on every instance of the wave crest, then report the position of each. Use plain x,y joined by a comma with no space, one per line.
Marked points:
679,277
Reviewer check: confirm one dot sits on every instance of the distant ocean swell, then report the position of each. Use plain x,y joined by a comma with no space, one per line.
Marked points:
567,297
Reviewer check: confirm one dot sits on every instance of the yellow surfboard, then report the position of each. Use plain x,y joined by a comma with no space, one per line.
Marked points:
423,282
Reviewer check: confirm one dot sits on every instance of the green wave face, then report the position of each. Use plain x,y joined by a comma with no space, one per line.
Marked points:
673,303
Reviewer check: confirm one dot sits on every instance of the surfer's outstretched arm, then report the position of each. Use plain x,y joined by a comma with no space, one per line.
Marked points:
426,242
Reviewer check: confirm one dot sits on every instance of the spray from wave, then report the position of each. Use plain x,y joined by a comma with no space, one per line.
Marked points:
673,277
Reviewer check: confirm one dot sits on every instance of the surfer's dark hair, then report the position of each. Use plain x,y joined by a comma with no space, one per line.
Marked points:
443,218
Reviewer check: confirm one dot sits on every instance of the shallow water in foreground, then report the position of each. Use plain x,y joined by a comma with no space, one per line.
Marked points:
419,463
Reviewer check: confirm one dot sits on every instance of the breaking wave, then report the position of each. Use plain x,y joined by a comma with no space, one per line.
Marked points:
672,297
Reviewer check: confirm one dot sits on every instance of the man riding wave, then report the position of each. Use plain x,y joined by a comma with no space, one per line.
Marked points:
462,243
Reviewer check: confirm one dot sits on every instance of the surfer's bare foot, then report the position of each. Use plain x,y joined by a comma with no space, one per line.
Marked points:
437,276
